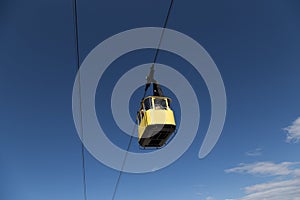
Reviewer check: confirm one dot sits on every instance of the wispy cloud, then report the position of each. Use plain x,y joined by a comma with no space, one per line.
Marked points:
255,152
276,190
288,187
293,131
271,185
199,194
209,198
264,168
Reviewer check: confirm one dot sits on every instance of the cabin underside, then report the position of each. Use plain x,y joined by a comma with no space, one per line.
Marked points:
156,135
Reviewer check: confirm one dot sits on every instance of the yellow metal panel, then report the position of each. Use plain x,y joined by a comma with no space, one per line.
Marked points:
152,117
159,117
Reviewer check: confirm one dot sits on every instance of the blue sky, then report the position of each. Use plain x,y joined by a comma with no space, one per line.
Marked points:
256,47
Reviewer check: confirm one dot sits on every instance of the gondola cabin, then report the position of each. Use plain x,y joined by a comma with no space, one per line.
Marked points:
156,121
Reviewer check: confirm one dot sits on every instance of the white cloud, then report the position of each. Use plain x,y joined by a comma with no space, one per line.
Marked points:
287,188
255,152
209,198
276,193
271,185
264,168
296,172
293,131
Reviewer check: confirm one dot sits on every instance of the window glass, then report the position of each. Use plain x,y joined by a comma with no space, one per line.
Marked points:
160,104
147,103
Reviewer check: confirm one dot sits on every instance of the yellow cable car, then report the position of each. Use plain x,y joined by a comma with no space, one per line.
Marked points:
156,121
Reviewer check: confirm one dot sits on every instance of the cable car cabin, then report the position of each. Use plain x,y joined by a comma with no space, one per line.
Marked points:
156,121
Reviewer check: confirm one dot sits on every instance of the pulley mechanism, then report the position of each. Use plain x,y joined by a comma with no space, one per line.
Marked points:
157,91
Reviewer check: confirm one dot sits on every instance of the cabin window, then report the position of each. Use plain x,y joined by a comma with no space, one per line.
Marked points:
160,104
147,103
